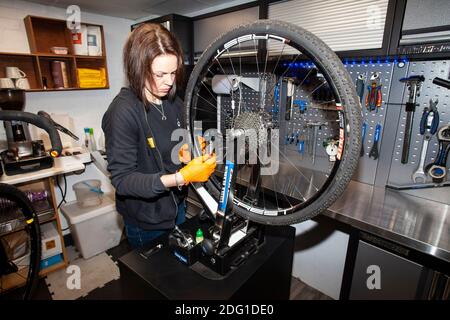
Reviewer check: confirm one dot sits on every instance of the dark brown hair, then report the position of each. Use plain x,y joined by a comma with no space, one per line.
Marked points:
143,45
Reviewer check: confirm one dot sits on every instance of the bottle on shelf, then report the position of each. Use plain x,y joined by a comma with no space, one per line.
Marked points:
92,140
87,139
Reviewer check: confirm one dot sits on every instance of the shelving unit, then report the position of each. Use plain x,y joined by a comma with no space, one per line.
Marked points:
39,180
47,213
44,33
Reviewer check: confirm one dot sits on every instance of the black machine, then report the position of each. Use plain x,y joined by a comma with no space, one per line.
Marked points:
228,239
23,154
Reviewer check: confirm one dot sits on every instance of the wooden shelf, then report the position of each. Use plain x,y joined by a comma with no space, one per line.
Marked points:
17,280
26,62
66,89
52,268
43,34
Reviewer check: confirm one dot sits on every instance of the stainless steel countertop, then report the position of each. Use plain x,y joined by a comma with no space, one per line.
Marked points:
407,219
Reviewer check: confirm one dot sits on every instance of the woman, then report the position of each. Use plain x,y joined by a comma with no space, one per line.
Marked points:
138,126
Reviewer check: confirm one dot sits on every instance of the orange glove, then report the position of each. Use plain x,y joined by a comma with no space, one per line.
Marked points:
199,169
185,156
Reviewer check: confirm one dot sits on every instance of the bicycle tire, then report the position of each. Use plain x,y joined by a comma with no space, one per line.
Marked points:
14,194
337,76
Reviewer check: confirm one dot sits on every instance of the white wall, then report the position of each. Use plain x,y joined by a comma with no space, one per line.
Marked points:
86,107
319,256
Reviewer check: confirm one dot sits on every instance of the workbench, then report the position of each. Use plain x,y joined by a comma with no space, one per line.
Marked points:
403,233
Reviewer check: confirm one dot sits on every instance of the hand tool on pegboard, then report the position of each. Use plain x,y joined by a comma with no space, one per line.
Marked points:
374,153
363,137
297,137
438,169
413,84
292,138
301,104
275,107
316,127
301,146
428,126
360,85
374,97
290,89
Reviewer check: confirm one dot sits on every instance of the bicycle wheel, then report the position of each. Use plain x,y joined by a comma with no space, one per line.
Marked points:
282,82
13,271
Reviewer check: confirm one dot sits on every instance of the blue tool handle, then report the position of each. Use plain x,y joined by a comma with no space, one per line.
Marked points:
301,146
441,157
364,128
377,132
228,174
423,121
435,122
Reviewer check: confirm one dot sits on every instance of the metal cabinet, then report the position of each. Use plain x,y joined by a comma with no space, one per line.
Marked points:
385,273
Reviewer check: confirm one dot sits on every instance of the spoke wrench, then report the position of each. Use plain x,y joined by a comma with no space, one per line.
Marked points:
428,126
363,137
413,83
360,84
438,170
374,151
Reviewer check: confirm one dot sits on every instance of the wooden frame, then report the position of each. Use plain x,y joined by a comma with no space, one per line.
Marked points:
44,33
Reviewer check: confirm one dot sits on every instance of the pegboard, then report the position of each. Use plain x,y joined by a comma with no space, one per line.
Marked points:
367,166
298,125
316,111
401,174
387,169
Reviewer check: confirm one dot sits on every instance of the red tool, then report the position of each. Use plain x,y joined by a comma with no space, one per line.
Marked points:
374,96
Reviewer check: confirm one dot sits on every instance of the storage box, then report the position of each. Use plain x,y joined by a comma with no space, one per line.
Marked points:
15,244
51,261
94,229
50,241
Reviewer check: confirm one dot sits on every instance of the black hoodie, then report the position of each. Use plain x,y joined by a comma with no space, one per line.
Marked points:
135,166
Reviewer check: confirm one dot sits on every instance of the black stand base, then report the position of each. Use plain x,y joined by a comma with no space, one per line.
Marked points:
264,274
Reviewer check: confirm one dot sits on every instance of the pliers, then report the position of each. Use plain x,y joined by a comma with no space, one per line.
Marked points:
374,96
430,123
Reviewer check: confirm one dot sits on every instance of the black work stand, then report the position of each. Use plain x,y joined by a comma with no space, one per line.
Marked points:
264,275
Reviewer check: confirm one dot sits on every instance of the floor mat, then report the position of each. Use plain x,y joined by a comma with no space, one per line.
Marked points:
94,273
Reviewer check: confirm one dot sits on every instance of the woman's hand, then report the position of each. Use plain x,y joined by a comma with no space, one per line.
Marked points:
199,169
184,155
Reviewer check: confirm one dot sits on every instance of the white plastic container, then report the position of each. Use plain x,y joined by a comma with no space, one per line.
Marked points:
50,241
88,192
79,41
94,229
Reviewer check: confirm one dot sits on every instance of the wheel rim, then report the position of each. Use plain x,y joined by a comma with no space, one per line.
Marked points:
226,56
16,207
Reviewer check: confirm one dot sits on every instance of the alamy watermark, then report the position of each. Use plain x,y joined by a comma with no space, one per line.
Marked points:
73,20
374,18
374,280
73,281
246,147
